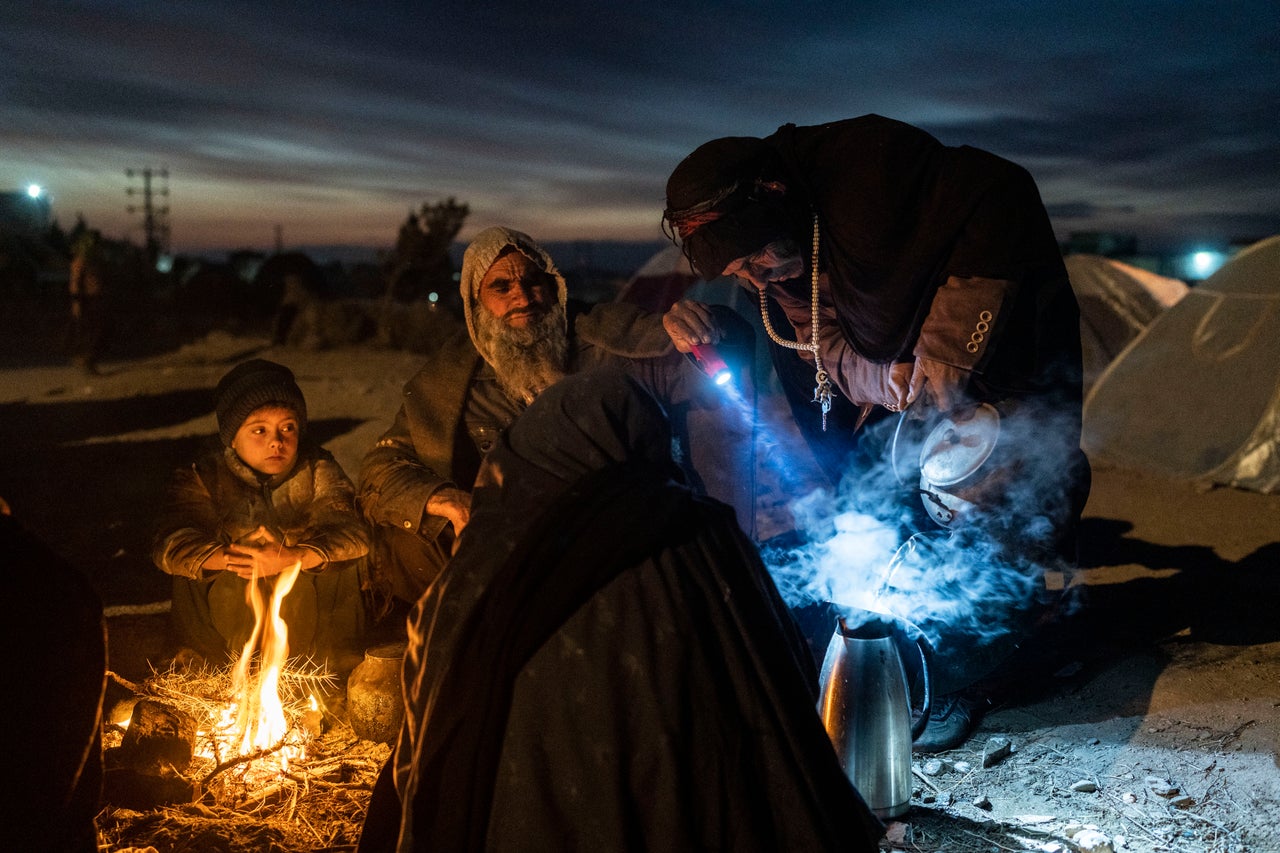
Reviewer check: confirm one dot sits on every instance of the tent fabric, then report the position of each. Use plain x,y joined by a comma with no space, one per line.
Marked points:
667,277
1117,301
660,282
1196,395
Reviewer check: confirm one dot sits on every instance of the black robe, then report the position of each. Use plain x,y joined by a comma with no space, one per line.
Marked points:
901,212
607,665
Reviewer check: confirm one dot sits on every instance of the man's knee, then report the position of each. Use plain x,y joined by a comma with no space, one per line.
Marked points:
404,564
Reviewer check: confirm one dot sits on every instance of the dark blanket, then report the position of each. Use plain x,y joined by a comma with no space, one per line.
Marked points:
611,668
55,670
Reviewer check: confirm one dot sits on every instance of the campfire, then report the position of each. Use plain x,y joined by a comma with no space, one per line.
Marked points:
256,716
239,751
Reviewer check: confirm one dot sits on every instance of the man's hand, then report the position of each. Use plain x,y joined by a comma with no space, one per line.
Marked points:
453,504
690,324
945,383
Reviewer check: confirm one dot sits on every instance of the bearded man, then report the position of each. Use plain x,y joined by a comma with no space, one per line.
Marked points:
523,333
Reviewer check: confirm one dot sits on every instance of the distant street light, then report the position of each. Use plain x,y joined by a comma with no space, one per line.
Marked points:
35,190
1205,263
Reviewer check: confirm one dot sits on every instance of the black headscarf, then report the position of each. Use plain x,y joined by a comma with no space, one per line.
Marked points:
720,204
585,423
898,212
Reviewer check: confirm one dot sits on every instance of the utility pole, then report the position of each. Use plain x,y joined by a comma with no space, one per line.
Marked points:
155,215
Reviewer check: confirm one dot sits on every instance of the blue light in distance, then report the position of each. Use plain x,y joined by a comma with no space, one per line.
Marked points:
1205,263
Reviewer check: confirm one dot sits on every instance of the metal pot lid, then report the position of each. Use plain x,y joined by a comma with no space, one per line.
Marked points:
955,449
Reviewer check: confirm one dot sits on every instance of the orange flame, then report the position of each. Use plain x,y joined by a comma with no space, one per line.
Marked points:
260,721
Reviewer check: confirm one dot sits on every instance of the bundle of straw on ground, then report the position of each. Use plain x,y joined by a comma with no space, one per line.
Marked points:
317,803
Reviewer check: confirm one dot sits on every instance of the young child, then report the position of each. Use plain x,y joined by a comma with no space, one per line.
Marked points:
256,503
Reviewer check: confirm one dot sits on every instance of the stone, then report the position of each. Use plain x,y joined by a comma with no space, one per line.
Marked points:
1092,841
997,749
1084,786
159,735
128,788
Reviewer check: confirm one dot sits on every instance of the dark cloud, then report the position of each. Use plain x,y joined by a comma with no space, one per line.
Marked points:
567,117
1084,210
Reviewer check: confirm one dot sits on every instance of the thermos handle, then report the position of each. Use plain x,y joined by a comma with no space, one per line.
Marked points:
926,688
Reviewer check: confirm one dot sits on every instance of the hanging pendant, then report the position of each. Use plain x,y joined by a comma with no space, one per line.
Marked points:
822,395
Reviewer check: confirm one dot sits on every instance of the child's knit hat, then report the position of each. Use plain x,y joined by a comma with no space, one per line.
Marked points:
251,386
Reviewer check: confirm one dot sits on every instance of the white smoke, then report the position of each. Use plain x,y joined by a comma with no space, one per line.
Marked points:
972,589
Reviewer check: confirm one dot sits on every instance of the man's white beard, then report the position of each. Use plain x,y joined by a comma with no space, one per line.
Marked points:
526,359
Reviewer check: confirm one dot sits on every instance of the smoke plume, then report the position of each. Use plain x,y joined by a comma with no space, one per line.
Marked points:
974,587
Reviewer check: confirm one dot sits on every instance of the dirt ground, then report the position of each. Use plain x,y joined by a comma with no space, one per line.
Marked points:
1154,724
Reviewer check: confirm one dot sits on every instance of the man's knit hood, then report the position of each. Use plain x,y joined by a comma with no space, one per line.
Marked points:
484,249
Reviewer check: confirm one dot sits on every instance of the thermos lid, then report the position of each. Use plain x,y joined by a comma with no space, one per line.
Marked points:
956,448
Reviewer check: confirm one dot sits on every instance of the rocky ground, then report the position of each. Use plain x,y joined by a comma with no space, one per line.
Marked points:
1154,724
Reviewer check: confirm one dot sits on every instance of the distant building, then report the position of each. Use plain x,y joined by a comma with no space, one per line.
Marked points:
24,213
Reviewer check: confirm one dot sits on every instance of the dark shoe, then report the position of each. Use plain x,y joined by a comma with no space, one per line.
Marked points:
951,721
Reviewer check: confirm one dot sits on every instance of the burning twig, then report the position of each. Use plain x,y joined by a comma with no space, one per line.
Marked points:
242,759
266,792
124,682
321,783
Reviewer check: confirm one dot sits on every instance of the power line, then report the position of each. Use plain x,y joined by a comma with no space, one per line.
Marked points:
155,222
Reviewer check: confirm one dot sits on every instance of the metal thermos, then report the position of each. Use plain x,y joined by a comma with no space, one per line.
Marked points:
865,704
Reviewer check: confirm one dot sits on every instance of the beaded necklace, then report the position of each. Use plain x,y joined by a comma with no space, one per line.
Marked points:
822,391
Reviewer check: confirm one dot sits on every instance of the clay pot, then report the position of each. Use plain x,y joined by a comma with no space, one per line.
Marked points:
375,705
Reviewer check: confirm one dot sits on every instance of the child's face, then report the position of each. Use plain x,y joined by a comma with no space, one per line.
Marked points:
267,441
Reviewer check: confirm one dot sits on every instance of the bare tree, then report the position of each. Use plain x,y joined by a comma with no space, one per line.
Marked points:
420,264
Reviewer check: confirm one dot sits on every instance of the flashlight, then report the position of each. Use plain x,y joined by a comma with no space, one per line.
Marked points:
708,360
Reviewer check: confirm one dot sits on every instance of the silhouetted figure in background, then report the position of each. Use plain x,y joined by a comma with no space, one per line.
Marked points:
89,290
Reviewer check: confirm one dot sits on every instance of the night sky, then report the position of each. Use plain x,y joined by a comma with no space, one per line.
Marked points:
332,120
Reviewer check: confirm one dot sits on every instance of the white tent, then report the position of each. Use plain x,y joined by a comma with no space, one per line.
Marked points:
661,281
1117,301
1196,395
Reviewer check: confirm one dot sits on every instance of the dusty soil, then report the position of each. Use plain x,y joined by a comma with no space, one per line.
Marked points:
1157,721
1168,677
